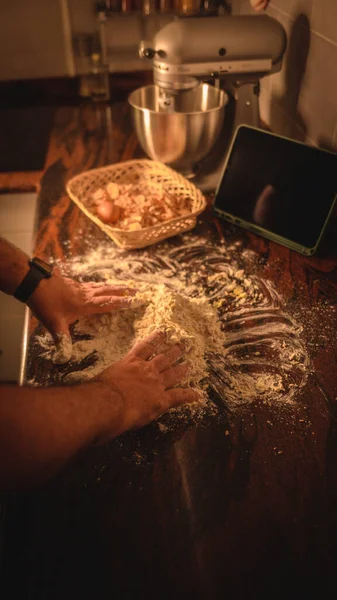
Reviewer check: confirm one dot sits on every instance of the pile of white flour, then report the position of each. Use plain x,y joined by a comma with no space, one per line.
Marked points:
190,320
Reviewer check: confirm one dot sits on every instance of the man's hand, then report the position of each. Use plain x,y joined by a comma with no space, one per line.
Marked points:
146,380
42,428
59,301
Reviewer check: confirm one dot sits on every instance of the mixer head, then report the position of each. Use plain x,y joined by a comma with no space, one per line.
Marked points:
239,48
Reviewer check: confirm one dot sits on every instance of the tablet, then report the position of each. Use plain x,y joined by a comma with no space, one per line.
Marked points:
278,188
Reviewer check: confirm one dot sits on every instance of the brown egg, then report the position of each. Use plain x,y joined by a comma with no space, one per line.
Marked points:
115,214
108,212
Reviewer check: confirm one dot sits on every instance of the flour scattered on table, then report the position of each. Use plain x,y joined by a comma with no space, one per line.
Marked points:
243,343
63,349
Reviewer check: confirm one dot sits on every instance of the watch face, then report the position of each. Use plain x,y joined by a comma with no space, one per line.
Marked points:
46,269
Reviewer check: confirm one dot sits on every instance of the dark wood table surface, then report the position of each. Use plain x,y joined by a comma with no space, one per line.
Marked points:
233,509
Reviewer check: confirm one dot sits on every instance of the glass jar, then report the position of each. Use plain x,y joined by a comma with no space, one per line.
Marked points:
99,80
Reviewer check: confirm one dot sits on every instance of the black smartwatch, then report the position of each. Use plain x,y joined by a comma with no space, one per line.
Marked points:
38,270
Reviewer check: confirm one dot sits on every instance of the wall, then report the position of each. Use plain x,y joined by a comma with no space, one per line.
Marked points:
35,39
301,100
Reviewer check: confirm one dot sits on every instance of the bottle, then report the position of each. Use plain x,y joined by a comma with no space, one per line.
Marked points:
99,79
187,7
149,7
82,45
165,6
126,6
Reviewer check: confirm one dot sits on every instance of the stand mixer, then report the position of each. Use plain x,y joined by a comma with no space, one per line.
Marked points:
206,73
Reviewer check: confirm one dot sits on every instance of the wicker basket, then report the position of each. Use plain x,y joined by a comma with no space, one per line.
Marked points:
82,186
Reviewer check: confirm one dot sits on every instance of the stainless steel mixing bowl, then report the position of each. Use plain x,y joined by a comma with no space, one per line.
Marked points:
182,133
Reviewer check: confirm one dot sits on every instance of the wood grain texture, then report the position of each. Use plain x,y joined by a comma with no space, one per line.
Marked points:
19,182
243,507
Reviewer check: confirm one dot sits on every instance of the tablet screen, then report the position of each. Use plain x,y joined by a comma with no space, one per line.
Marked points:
278,184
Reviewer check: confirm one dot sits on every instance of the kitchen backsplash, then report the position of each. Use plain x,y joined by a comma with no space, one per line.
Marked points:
301,100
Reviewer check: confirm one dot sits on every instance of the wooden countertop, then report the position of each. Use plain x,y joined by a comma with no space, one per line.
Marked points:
244,507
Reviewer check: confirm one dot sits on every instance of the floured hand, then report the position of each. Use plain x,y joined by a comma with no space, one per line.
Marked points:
59,301
149,381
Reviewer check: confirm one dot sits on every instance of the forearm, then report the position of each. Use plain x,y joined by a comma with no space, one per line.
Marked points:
14,266
42,428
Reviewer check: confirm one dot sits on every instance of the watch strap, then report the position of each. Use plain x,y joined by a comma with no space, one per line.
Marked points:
30,282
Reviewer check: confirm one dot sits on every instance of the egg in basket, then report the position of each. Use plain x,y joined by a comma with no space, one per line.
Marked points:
137,202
